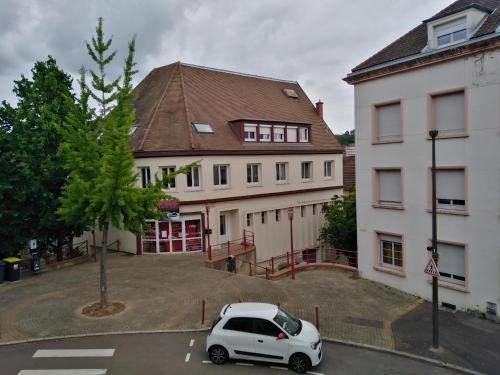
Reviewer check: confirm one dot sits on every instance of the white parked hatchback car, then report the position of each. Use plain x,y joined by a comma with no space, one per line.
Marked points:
263,332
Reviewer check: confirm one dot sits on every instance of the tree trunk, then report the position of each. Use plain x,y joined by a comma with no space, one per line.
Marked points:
103,267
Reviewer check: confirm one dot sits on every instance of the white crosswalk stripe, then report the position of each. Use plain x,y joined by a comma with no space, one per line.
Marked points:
68,353
64,372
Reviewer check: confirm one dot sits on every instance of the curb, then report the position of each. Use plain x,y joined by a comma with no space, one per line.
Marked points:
435,362
27,341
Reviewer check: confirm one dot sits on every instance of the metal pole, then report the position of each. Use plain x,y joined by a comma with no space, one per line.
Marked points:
209,247
291,247
435,319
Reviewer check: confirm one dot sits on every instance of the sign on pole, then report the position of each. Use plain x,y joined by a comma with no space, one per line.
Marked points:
33,244
431,268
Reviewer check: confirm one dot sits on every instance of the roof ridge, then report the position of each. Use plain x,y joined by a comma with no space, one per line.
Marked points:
157,106
238,73
186,108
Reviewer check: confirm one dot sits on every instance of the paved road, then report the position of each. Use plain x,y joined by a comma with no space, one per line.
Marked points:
178,353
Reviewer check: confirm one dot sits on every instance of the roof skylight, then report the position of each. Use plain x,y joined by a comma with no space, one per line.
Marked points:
291,93
203,128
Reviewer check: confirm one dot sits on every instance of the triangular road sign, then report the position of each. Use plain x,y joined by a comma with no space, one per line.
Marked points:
431,268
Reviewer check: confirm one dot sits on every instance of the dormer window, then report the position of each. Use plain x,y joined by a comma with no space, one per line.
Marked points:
279,133
451,32
304,134
265,133
250,133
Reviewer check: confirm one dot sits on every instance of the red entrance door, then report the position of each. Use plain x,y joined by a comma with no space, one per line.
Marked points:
163,227
176,236
193,235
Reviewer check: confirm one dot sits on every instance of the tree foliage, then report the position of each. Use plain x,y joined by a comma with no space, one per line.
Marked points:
31,170
101,189
347,138
340,222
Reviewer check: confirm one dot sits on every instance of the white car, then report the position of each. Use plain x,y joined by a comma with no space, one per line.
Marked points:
263,332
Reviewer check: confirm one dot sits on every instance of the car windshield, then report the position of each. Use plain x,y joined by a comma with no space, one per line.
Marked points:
288,322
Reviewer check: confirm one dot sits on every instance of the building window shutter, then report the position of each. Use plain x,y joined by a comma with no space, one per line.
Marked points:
390,187
449,113
389,122
451,263
450,189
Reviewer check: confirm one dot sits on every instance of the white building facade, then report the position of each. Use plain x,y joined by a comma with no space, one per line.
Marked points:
450,83
260,148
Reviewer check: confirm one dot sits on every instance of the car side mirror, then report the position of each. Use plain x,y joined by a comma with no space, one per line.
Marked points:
281,336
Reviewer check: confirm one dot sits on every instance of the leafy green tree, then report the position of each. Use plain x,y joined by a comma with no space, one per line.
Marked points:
340,222
31,171
101,188
347,138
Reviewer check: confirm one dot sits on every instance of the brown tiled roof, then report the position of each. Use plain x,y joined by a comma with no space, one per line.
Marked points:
171,98
413,42
349,171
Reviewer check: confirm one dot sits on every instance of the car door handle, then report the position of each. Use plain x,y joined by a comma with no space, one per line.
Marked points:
260,340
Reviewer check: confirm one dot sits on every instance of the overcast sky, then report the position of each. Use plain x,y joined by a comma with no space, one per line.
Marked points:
313,42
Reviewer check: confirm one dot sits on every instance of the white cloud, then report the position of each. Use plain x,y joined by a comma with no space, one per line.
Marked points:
315,43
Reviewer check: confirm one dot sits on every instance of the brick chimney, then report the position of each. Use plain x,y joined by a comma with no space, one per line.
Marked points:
319,108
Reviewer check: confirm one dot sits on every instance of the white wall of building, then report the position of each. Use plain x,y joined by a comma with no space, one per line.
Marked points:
479,153
271,238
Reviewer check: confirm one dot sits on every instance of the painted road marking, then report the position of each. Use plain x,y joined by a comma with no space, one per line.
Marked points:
66,353
64,372
187,357
314,373
191,343
244,364
206,362
279,368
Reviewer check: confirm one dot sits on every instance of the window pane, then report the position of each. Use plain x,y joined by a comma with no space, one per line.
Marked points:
265,327
449,113
222,221
216,175
291,134
398,254
223,175
196,176
239,324
444,39
389,122
450,189
451,263
386,252
249,173
389,187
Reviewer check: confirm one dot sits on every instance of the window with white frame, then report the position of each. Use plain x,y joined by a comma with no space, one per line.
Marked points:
328,168
249,220
388,122
168,182
281,169
193,177
291,134
279,133
449,113
145,176
450,189
390,250
304,134
250,133
265,133
451,263
451,32
221,175
306,170
253,173
389,187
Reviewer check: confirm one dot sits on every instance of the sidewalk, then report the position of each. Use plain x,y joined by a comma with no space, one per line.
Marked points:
166,292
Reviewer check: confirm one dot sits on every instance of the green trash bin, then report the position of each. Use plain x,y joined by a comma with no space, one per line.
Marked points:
12,269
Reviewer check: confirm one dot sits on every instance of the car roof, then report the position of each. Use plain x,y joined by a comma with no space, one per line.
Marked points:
250,310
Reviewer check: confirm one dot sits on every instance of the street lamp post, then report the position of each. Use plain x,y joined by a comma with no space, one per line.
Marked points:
435,256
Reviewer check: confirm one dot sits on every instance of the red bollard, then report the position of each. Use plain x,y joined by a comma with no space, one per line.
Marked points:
202,311
316,310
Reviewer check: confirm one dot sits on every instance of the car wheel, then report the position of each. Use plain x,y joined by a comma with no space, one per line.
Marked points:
218,355
300,363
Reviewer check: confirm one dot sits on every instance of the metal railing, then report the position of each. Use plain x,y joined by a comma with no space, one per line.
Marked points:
233,247
68,252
